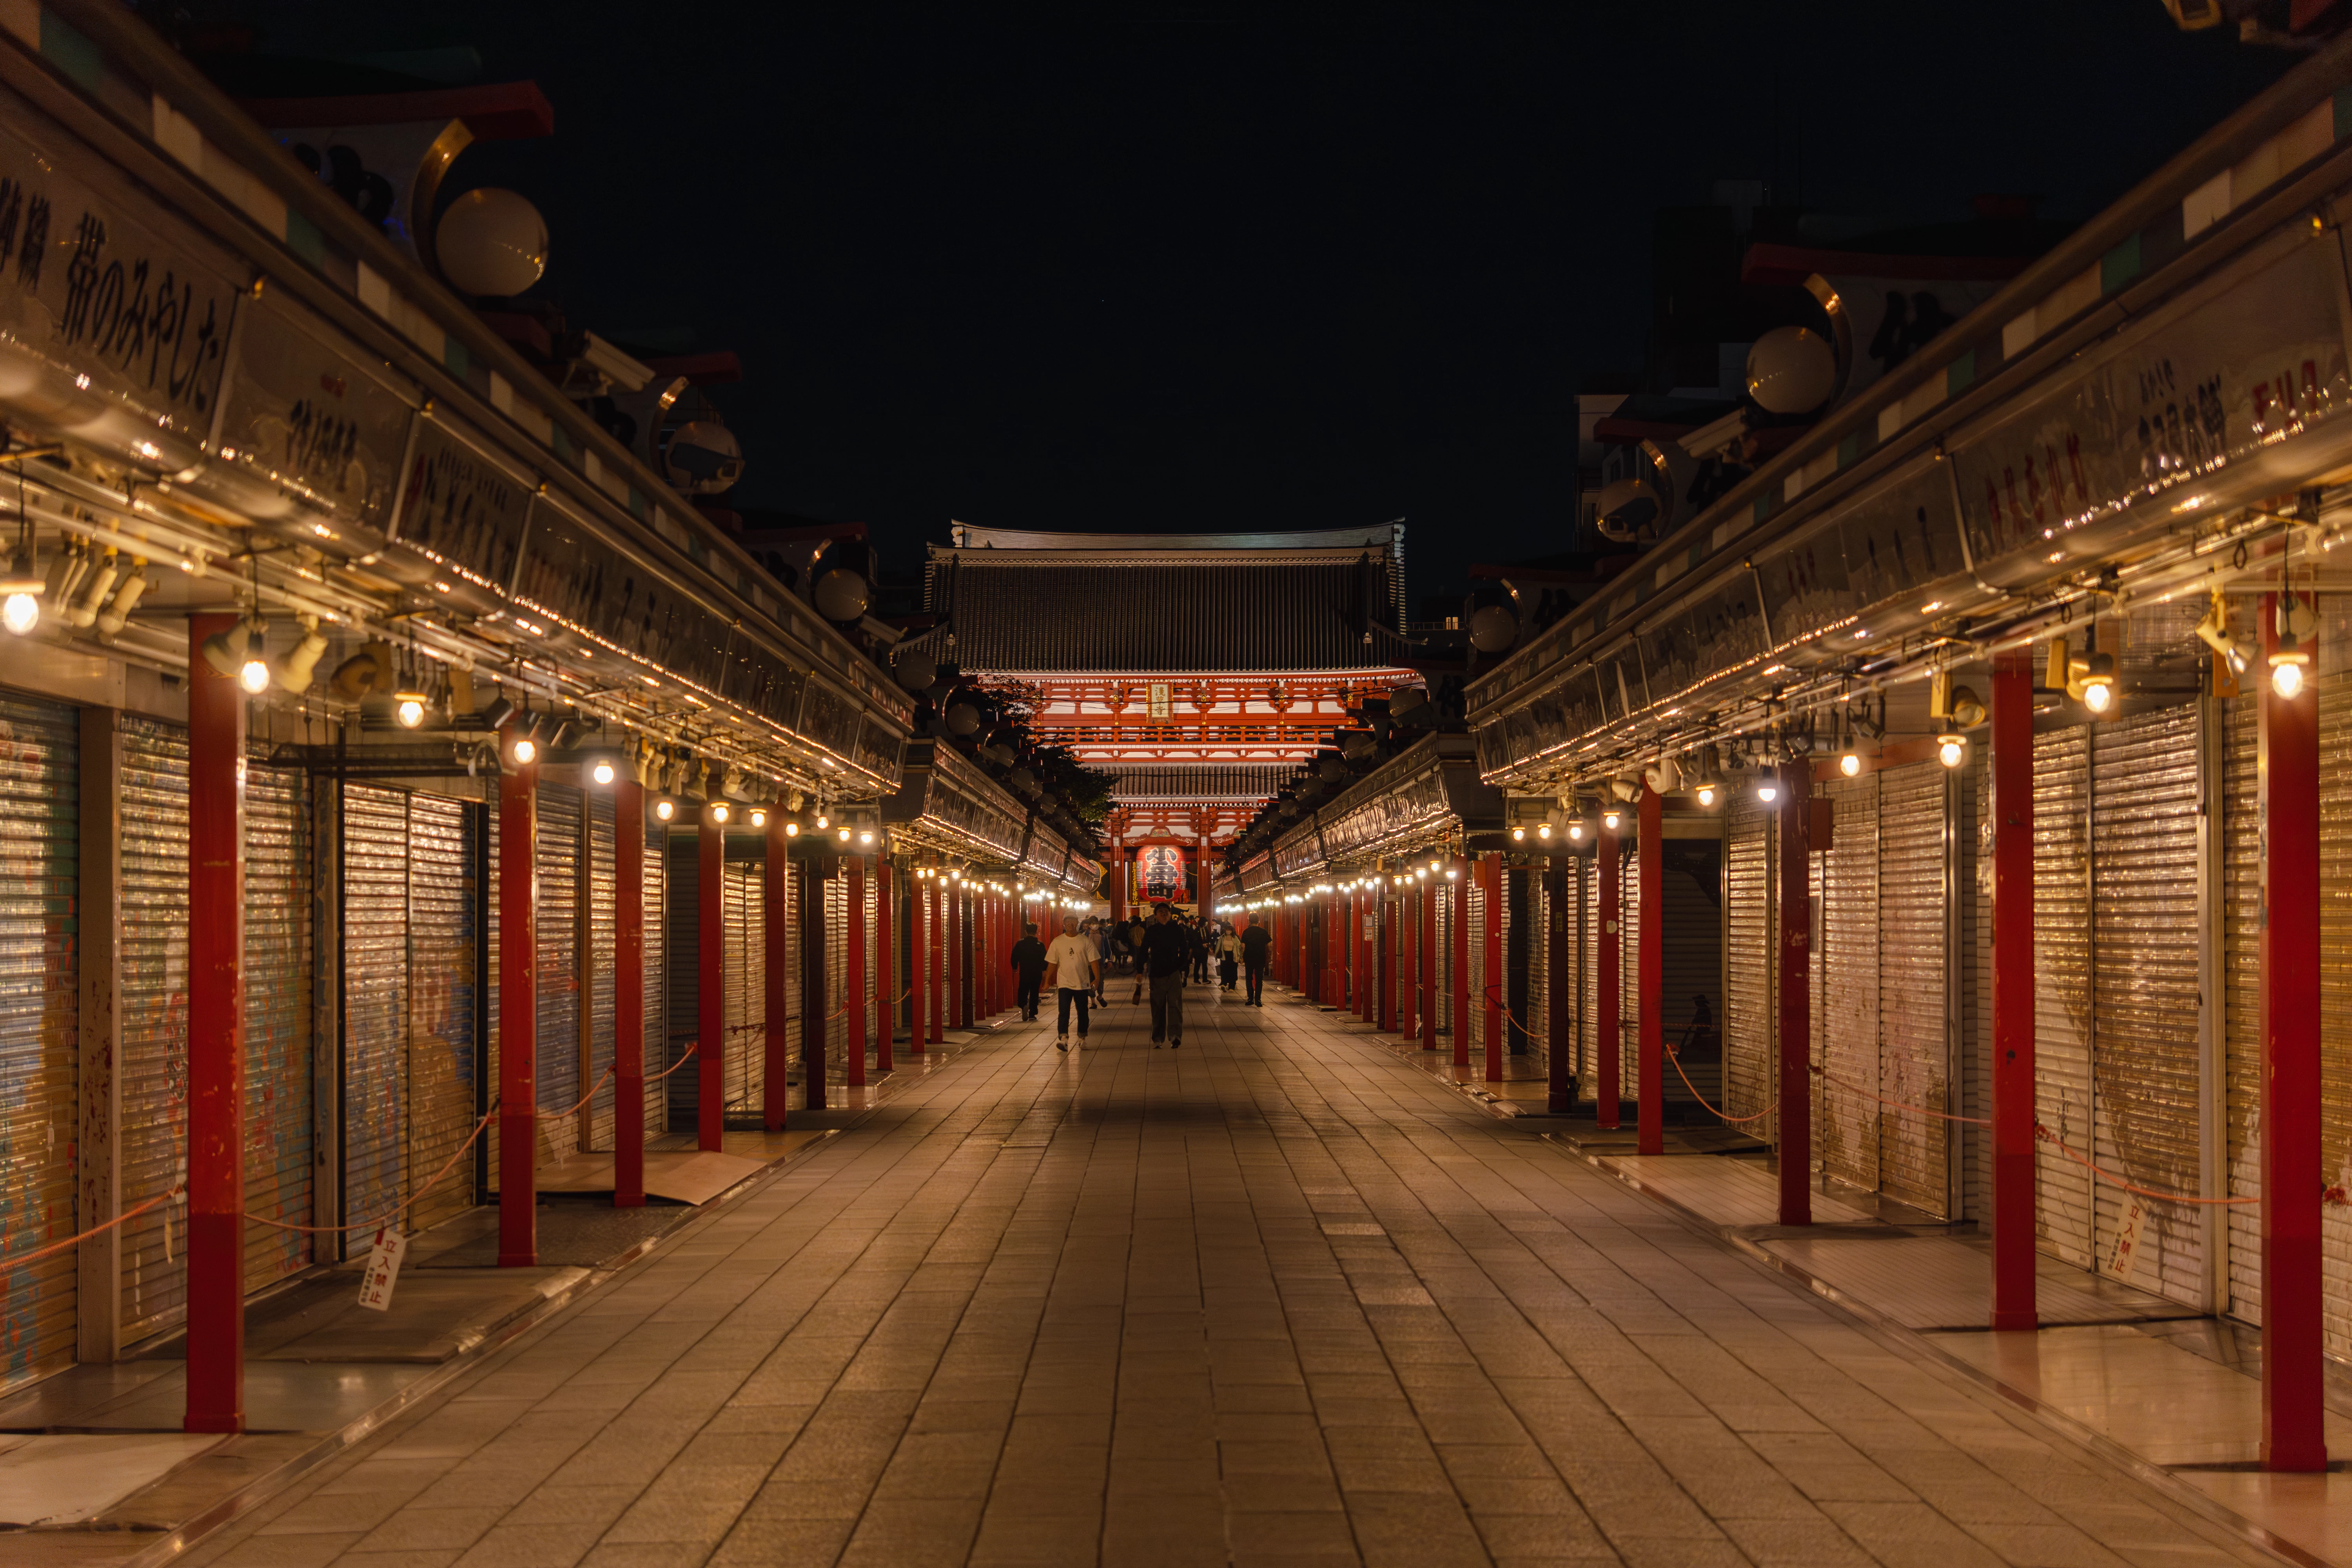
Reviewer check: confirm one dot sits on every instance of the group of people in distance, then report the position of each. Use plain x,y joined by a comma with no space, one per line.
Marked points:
1163,952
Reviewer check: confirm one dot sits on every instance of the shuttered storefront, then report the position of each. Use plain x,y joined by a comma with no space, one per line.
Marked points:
1915,1042
279,1127
1535,1022
1588,1034
2145,797
558,862
2061,988
651,835
444,997
836,966
1691,967
1846,995
1474,904
154,1022
40,1046
747,994
1748,987
601,932
375,1001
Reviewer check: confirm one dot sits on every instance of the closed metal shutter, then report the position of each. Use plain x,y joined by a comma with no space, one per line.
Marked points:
1914,1040
492,820
1692,967
375,1001
1535,1024
1587,1024
279,1129
443,996
154,1025
1748,978
2336,985
874,939
558,862
40,1022
603,932
1846,1000
747,993
1474,906
2144,984
837,965
657,1051
2061,988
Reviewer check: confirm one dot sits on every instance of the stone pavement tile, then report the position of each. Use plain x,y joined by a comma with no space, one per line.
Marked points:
1909,1535
1257,1534
334,1513
782,1543
645,1554
2045,1546
531,1546
365,1556
309,1550
1535,1537
433,1528
1815,1543
1044,1541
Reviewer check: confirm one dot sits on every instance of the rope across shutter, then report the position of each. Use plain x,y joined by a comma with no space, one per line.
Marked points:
443,996
376,976
40,1045
1747,1024
279,1130
1915,1049
2061,988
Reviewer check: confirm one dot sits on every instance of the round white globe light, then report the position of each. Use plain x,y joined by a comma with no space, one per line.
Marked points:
491,242
1791,370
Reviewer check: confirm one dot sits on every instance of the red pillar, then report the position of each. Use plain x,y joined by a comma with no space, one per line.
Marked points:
711,984
1200,875
885,965
628,994
1335,951
1458,1004
1392,921
2294,1435
853,1064
924,990
517,1016
776,903
1119,885
1429,962
1796,996
959,1013
215,1179
1605,999
2014,1304
1650,963
1490,870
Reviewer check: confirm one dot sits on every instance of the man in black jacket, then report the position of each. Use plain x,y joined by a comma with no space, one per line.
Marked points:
1029,964
1167,954
1256,943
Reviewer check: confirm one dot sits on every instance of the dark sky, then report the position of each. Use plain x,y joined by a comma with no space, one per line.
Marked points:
1193,273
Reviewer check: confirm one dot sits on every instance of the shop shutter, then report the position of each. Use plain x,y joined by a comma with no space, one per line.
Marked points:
1913,1039
602,930
443,996
1474,906
2144,802
558,862
2061,988
652,836
1691,967
1536,1036
2336,975
837,965
1747,981
1628,973
1587,1018
375,1002
155,1026
746,994
1846,993
40,1023
279,1126
875,870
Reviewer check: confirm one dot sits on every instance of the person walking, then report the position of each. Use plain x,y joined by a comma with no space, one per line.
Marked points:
1102,940
1029,968
1256,943
1201,932
1229,957
1167,954
1135,936
1072,968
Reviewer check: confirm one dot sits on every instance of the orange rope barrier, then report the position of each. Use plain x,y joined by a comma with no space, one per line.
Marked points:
1899,1104
54,1247
379,1224
691,1047
1675,1057
2113,1180
592,1089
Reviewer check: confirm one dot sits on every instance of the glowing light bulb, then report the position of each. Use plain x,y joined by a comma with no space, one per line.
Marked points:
821,821
408,707
2286,678
21,613
1768,791
759,817
664,810
793,830
525,750
1544,831
1850,765
1519,835
718,812
2098,695
844,836
1950,750
1614,819
1706,794
601,773
1576,832
866,837
254,675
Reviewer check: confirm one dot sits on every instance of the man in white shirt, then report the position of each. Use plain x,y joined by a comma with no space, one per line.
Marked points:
1071,965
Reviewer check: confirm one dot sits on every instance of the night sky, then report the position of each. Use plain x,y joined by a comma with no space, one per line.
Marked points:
1191,273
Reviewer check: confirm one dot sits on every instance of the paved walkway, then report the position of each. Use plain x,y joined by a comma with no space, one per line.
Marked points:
1276,1298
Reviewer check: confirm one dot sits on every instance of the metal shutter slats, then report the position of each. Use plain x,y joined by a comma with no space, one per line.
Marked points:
1846,1124
1915,1052
442,997
2061,988
1748,1024
2144,795
746,984
155,1022
602,930
40,1045
558,962
279,1128
653,838
375,1002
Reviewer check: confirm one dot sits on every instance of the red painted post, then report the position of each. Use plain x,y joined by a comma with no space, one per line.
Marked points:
1650,961
628,994
885,964
775,972
2294,1435
1335,951
958,1009
2014,1304
923,991
1490,867
816,1000
1119,885
1391,920
711,984
1606,1002
1796,1115
518,1014
1458,1004
215,1178
854,1061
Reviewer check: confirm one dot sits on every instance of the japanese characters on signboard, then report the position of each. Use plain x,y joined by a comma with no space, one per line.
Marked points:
302,414
1160,871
